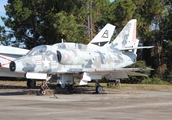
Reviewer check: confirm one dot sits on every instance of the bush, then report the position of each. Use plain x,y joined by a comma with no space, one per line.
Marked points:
154,80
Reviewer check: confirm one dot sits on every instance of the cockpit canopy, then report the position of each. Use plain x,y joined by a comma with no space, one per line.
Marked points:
37,50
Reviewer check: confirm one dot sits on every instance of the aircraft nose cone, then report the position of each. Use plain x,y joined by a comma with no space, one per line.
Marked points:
12,66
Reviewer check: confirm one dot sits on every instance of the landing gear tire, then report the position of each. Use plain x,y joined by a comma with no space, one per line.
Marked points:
70,88
99,89
31,83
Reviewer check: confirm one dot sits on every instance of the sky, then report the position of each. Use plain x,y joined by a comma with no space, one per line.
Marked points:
2,10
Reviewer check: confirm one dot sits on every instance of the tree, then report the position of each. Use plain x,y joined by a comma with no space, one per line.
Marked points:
122,11
166,30
35,22
32,23
138,79
47,22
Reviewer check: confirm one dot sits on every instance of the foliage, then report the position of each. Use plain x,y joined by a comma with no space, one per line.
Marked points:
154,80
141,64
47,22
137,79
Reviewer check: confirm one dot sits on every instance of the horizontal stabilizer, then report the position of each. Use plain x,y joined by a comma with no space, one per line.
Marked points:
132,48
134,69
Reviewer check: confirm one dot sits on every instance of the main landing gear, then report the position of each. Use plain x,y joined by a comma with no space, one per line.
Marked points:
99,88
70,88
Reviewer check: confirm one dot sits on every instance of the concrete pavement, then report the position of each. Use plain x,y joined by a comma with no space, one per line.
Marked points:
22,104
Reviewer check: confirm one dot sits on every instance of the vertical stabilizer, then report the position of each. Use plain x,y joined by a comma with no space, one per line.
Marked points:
127,37
104,36
136,45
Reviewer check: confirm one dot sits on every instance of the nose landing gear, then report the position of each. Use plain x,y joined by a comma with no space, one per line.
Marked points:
31,83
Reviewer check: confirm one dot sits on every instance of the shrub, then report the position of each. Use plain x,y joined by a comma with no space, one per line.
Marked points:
154,80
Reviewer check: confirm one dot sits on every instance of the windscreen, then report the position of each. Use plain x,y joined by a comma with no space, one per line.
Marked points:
37,50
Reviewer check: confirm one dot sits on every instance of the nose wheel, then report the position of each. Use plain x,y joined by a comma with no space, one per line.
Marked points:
31,83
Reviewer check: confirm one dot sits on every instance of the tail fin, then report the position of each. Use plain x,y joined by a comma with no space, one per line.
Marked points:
126,40
104,36
127,37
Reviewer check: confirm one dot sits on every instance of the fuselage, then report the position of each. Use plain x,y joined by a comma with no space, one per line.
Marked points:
71,57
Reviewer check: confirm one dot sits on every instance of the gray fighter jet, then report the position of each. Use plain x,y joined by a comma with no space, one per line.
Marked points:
87,62
9,53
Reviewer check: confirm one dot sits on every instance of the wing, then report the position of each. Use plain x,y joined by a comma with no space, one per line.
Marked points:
7,54
135,74
12,50
5,72
110,74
